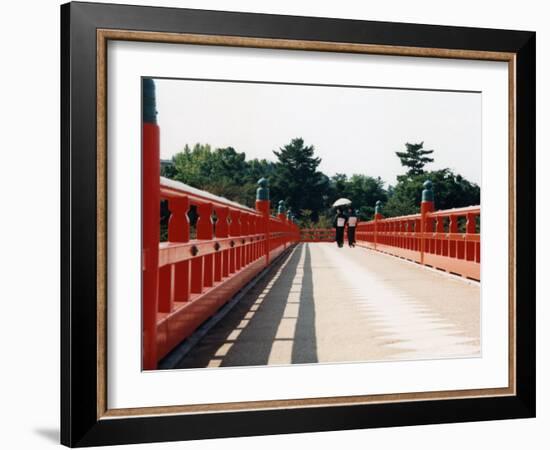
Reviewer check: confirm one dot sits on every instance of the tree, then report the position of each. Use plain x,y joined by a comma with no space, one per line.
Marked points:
450,191
221,172
415,158
228,164
296,179
339,184
258,168
362,190
192,166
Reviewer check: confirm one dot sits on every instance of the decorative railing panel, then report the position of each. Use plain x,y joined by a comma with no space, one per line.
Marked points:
448,240
198,273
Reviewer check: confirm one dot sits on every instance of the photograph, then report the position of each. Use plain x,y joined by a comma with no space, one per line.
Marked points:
292,223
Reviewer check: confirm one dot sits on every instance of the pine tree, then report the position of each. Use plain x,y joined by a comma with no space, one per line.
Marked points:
415,158
296,179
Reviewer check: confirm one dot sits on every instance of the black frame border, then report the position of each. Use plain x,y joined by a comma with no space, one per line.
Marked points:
79,423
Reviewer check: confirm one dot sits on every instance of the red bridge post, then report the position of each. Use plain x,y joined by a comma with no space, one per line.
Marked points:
377,216
221,259
427,206
285,224
235,231
205,231
151,223
178,231
263,206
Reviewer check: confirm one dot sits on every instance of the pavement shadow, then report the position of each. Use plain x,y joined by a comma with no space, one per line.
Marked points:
304,349
246,335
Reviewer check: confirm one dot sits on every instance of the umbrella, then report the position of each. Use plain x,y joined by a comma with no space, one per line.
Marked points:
341,202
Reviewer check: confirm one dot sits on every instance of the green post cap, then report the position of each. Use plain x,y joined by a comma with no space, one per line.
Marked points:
281,209
427,193
289,213
149,101
378,207
262,193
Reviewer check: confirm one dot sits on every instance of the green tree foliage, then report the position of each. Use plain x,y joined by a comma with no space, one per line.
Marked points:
305,219
450,191
362,190
295,178
201,164
258,168
222,171
297,181
167,170
415,158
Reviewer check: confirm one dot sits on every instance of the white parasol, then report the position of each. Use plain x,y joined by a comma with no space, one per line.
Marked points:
341,202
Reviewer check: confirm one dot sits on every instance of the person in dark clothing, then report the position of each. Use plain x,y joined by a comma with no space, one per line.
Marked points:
339,223
353,220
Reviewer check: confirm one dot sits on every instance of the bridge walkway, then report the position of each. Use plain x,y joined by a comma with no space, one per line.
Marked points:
326,304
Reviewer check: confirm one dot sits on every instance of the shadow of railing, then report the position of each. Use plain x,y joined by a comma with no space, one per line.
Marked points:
247,335
304,349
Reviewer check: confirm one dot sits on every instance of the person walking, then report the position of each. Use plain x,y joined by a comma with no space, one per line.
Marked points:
353,220
339,223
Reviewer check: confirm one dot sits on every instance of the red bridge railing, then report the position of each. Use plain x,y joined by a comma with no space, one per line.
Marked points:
432,239
188,278
317,234
197,276
448,240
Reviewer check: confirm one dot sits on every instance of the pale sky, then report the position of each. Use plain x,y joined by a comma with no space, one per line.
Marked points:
353,130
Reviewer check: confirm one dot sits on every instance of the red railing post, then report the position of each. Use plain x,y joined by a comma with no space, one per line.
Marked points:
151,225
221,268
440,231
263,206
235,231
470,229
245,230
166,288
426,207
285,225
178,231
254,232
222,227
377,216
205,232
453,230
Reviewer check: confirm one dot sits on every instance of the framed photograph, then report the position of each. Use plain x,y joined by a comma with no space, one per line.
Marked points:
276,224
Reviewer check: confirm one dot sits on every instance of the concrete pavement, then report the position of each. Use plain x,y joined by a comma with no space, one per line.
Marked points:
325,304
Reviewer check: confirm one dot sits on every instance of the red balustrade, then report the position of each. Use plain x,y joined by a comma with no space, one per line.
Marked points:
189,277
197,276
448,240
399,236
449,248
317,235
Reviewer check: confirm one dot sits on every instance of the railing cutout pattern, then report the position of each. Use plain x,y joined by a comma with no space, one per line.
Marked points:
185,281
198,276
